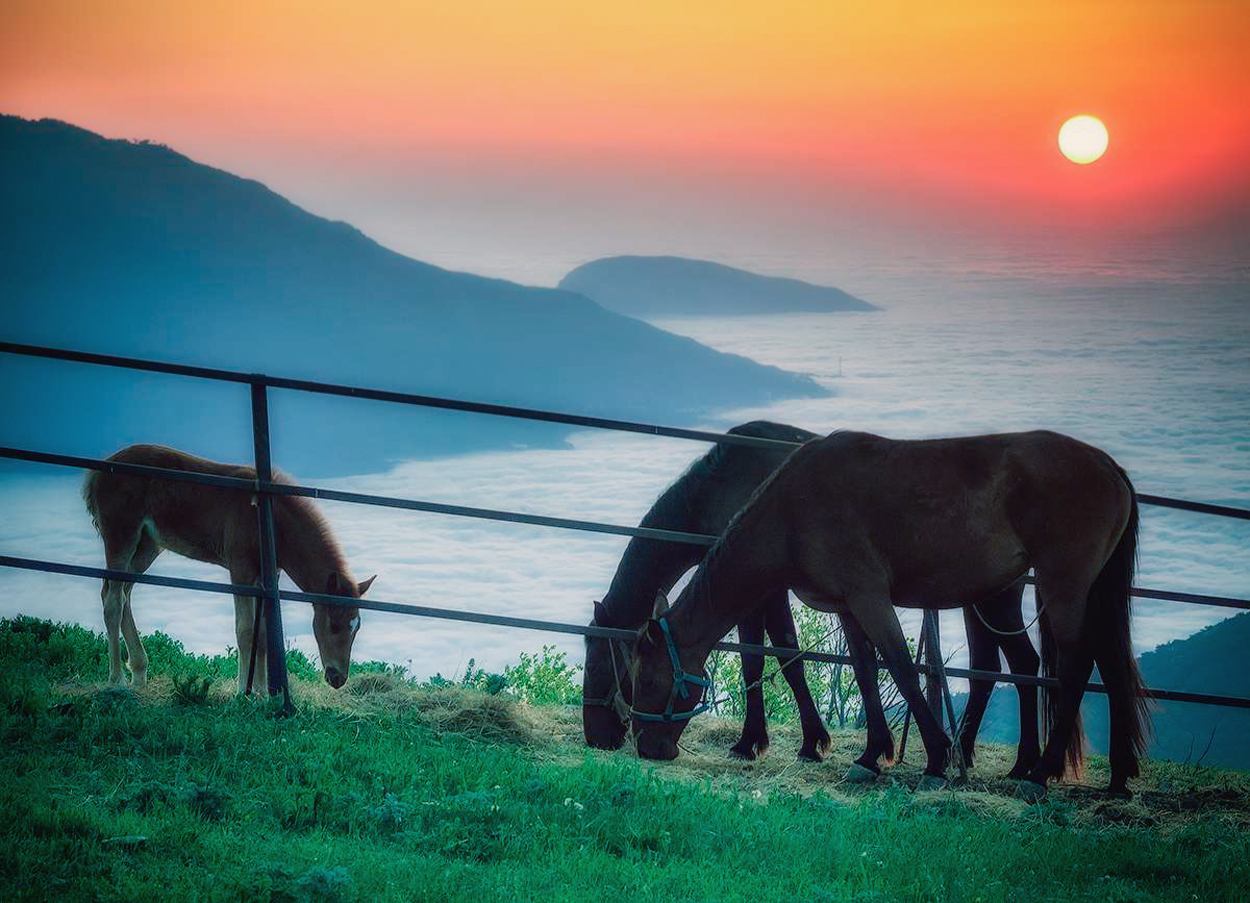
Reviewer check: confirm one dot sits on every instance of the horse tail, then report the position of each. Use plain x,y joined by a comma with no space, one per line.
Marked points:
88,497
1074,755
1109,620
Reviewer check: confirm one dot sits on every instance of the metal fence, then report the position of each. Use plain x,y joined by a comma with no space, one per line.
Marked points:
264,488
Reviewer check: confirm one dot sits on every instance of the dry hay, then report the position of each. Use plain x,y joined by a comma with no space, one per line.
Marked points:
1167,797
456,710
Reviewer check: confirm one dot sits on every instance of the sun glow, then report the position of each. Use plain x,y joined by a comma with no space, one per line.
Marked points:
1083,139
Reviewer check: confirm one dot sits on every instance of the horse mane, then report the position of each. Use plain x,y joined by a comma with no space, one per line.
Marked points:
676,503
305,514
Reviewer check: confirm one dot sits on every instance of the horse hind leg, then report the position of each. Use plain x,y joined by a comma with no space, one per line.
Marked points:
1067,653
119,550
137,658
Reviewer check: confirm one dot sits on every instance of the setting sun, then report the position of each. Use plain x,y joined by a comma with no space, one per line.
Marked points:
1083,139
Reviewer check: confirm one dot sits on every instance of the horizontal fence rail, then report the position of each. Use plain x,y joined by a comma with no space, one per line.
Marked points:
587,630
267,488
243,485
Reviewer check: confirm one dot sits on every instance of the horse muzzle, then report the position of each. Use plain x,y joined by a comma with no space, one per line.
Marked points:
335,677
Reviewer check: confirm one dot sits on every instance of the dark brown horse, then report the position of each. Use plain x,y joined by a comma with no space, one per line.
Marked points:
703,500
856,523
139,516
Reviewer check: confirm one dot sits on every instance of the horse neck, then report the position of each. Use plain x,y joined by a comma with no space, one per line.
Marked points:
647,567
307,551
731,583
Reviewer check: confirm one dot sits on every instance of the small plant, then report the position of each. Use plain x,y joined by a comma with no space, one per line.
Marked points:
191,691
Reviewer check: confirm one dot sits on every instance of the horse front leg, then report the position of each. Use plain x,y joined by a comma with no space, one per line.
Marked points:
114,604
248,638
875,613
880,741
779,621
754,738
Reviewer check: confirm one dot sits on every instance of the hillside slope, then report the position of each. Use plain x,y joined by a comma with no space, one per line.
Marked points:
133,249
1207,662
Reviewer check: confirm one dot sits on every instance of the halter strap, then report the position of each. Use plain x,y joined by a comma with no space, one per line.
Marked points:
680,679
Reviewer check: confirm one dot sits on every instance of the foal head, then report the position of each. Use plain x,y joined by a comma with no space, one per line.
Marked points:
335,628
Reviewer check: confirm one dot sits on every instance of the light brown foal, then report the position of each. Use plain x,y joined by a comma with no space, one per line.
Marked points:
138,517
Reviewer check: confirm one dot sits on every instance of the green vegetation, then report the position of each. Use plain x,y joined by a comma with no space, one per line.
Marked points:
388,791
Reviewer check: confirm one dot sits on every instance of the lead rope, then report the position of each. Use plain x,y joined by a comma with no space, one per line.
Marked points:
994,629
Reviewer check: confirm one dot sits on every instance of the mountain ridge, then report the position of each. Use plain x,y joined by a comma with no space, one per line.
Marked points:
135,249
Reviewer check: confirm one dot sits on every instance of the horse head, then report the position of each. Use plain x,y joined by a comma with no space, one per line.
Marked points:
666,695
335,627
605,686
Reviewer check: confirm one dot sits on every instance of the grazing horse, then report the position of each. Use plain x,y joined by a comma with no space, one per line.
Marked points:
138,517
856,523
702,500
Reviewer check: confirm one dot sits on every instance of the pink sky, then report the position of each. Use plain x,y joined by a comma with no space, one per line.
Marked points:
524,124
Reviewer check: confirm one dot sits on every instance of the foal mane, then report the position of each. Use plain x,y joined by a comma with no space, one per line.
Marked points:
305,515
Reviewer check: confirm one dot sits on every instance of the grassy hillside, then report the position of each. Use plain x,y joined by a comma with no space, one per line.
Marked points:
390,791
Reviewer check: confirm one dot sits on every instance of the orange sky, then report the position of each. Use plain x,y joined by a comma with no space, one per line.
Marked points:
929,106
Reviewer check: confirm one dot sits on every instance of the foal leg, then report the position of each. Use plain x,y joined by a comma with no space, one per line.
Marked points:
145,553
754,729
779,620
244,622
119,548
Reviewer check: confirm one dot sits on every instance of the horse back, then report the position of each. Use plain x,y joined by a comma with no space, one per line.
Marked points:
207,523
944,520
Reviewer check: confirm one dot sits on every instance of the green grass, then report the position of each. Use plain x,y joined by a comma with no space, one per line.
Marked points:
179,795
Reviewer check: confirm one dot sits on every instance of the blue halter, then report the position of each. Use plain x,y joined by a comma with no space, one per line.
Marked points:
680,679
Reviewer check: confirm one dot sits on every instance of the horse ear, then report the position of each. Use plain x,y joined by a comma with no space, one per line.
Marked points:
652,632
599,613
363,588
661,605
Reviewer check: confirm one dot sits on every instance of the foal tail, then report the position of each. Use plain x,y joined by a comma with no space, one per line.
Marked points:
88,497
1108,621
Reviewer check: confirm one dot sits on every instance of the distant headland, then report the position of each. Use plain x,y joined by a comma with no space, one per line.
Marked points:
679,286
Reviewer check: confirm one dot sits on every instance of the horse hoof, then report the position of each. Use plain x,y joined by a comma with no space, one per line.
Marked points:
932,782
748,756
808,756
1030,791
858,774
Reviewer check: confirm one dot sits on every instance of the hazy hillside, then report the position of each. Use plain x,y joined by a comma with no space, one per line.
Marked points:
676,286
133,249
1210,661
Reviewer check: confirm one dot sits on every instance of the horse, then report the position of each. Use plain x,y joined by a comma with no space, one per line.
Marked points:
703,500
857,523
138,517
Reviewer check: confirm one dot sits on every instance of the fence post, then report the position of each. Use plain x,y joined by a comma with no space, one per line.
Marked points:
276,645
